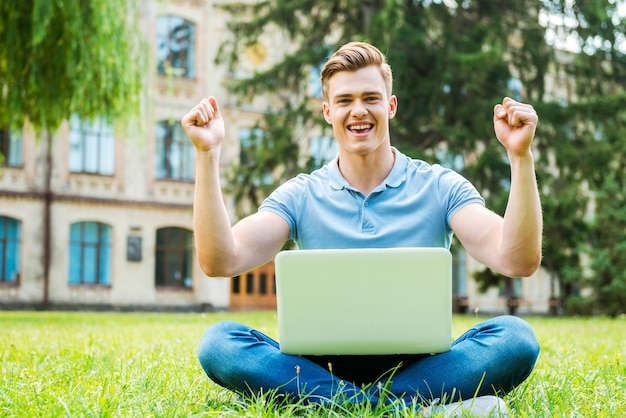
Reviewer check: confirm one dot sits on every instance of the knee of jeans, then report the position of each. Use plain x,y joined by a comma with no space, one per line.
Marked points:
524,337
214,346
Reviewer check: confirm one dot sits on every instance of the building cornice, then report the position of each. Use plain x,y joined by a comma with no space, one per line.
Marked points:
34,195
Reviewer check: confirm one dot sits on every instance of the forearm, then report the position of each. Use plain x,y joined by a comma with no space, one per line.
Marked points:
523,223
213,236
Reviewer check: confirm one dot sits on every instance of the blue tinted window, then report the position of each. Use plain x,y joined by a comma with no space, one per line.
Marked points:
90,253
92,147
11,147
10,242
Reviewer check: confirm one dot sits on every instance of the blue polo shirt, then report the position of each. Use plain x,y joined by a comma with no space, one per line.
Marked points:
412,207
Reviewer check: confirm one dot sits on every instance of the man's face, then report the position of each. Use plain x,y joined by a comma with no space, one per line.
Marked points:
359,109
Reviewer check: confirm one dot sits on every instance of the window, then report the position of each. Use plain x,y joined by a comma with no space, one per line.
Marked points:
90,253
173,257
236,284
175,46
250,283
263,284
11,147
174,152
92,147
10,232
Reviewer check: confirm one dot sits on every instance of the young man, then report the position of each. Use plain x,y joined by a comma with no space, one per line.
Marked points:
409,203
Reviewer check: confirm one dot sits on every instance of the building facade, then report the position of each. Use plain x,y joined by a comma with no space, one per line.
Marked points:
104,220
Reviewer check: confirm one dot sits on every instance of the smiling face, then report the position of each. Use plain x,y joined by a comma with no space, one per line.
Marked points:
359,108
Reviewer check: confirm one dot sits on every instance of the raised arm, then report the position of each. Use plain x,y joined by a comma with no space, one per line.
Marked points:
509,245
222,250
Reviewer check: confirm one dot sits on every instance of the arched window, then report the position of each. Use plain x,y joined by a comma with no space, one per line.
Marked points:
175,44
90,253
10,238
173,257
174,152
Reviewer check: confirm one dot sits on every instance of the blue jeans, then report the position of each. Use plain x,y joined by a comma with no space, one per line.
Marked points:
493,357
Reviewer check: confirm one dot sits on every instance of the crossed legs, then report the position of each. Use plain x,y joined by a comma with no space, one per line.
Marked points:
492,357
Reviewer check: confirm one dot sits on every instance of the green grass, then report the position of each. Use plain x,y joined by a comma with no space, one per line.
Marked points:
142,365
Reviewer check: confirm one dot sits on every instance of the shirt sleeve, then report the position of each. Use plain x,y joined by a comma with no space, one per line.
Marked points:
284,201
457,192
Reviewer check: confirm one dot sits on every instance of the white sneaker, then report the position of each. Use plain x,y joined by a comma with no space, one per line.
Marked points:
482,406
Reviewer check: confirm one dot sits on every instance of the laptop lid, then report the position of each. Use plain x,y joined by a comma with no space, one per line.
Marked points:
364,301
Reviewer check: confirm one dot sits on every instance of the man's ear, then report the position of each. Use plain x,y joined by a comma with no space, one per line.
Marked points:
393,106
326,111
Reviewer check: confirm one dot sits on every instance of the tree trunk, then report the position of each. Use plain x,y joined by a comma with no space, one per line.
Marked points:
47,221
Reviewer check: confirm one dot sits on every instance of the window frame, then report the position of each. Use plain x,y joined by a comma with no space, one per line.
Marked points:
173,143
101,249
6,243
164,41
11,147
88,158
176,242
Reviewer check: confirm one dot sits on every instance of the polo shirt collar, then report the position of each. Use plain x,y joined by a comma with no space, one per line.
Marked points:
395,178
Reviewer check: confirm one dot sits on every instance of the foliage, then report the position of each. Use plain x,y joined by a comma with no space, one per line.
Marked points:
608,249
565,230
269,153
68,57
578,305
452,62
444,74
144,364
590,139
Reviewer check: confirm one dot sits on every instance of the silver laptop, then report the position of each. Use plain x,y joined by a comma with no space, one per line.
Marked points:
364,301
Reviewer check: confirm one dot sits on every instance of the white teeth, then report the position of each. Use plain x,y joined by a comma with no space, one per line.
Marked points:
359,127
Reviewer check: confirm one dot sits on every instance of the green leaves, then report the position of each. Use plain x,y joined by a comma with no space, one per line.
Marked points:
451,66
42,14
69,56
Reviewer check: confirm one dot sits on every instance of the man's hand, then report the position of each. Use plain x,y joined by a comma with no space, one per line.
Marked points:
515,125
204,125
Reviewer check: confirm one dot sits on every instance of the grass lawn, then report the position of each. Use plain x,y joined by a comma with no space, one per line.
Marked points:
144,364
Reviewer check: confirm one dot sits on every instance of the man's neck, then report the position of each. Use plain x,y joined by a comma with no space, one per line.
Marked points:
366,172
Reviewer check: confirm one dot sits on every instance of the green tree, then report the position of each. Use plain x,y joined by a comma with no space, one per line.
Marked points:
608,247
589,139
67,57
451,65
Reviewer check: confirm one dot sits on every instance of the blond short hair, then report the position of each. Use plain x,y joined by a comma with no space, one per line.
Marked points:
352,57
